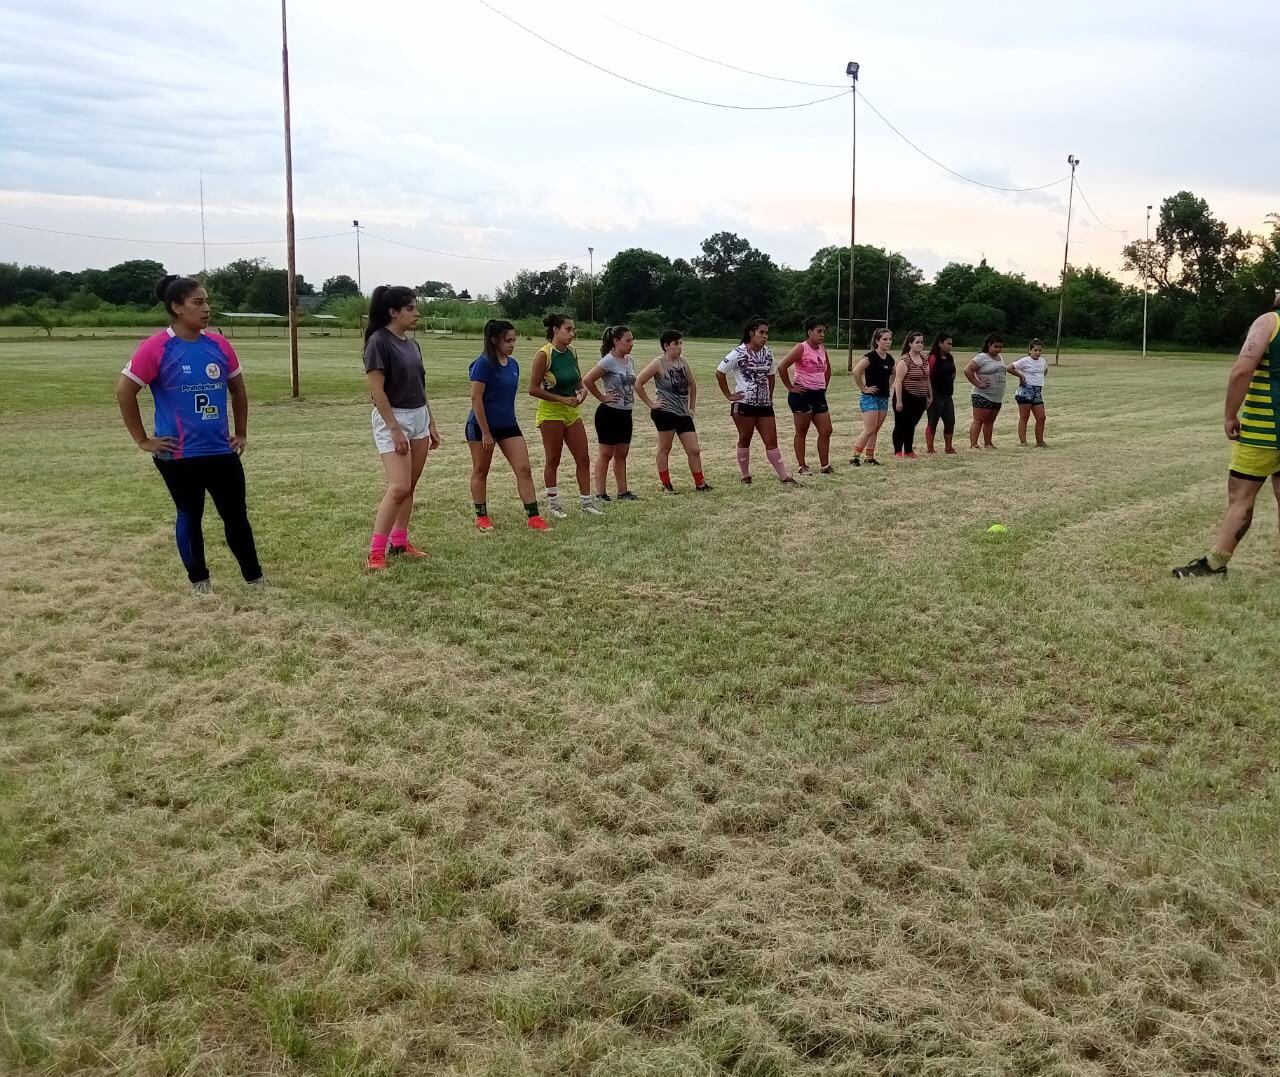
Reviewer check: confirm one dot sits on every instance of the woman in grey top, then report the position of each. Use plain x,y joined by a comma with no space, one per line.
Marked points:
672,413
987,374
612,381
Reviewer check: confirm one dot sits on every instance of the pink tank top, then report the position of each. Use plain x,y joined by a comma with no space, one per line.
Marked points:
811,367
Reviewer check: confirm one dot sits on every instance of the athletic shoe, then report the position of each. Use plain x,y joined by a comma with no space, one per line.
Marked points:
791,480
705,488
1199,567
260,584
408,551
627,495
746,480
855,461
484,524
376,563
202,587
899,456
606,498
557,510
871,461
667,488
590,508
537,523
803,469
828,470
911,456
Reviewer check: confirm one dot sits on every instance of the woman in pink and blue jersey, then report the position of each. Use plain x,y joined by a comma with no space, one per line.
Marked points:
194,375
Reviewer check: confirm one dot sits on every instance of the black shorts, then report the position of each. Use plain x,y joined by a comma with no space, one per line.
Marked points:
751,411
500,433
613,425
808,401
664,420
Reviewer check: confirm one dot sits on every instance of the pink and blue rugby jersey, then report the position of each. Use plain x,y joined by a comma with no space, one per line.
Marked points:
188,379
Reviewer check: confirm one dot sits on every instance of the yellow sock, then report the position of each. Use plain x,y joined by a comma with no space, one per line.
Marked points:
1217,559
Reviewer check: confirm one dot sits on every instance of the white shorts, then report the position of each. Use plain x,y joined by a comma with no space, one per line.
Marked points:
413,421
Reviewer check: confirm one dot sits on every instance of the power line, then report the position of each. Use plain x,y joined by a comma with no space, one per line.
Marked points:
721,63
467,257
1094,214
644,85
168,242
945,168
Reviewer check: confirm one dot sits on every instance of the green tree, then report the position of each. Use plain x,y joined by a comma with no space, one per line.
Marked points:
632,280
229,284
268,292
436,289
531,292
131,282
339,286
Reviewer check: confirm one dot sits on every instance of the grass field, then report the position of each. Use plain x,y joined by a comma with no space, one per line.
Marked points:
765,783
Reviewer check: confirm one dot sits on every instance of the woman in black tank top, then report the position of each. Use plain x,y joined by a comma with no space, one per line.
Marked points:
873,375
942,409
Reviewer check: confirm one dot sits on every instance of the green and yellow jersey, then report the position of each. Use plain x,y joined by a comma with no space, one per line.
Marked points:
1262,403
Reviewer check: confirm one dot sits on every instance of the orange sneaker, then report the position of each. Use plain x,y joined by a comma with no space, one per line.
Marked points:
484,525
537,523
408,550
376,563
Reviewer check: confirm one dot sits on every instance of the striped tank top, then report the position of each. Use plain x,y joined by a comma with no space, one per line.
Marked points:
1262,402
916,381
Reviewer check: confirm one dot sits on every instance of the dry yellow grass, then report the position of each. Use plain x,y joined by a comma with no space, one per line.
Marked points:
814,782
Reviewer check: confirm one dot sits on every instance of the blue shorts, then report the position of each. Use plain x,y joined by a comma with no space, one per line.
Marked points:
1030,396
873,402
500,433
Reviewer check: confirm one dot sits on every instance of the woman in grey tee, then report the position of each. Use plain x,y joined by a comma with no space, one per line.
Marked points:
987,374
672,413
612,381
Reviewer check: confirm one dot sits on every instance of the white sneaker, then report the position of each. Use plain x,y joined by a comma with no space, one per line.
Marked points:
204,587
557,510
591,508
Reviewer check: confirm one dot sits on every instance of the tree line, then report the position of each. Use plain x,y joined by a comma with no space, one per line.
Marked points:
1206,280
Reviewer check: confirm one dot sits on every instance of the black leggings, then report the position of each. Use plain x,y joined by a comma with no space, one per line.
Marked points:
223,477
905,421
943,408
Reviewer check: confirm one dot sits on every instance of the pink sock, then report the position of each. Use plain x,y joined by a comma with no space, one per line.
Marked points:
774,456
744,462
378,545
400,537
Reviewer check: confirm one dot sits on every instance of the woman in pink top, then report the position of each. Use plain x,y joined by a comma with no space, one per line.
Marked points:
806,372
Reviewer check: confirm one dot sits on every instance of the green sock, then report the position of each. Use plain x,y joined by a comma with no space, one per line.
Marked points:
1217,559
482,508
531,508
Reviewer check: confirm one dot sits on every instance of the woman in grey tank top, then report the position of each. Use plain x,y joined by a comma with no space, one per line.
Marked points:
987,374
672,412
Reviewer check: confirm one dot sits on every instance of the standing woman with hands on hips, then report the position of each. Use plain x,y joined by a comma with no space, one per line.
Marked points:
987,374
1030,371
556,383
192,375
806,372
617,374
495,379
672,412
942,379
751,399
874,377
403,426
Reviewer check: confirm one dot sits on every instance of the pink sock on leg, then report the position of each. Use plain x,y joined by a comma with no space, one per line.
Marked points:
774,456
377,545
744,462
400,537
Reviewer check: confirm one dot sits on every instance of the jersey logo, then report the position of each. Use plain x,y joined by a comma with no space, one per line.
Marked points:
213,371
205,408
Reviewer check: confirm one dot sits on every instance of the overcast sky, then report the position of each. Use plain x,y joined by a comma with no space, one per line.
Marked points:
441,125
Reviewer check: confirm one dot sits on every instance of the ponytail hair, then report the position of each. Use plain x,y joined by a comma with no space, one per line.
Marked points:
751,327
875,337
383,301
906,344
494,330
552,322
612,334
174,289
992,338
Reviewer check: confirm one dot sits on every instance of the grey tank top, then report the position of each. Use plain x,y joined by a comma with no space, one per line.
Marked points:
672,384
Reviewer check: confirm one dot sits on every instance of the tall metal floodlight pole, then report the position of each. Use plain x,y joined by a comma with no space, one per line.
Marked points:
851,70
591,284
359,271
1072,160
204,247
1146,282
292,289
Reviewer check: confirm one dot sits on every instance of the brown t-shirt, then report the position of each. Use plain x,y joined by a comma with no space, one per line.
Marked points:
403,372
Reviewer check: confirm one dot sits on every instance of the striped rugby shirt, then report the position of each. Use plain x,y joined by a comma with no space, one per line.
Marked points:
1262,402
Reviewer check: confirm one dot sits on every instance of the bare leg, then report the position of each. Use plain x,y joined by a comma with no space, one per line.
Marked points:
877,421
399,472
517,453
989,428
746,427
417,461
823,422
1024,413
480,461
802,422
1241,495
1038,411
975,427
600,469
620,453
692,450
575,437
552,432
665,440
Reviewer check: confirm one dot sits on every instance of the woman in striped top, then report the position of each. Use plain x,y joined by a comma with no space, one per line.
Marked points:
912,394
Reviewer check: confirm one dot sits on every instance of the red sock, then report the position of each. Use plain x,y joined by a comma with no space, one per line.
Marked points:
400,538
664,477
699,479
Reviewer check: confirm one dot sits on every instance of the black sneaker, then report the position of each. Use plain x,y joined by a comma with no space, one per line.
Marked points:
667,488
855,461
873,462
603,497
828,470
627,495
1199,567
746,480
791,480
705,488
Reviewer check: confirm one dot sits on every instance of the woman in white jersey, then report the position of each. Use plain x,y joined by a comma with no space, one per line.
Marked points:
751,398
1030,371
806,372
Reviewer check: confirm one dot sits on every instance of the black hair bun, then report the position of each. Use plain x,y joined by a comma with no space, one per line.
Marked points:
162,286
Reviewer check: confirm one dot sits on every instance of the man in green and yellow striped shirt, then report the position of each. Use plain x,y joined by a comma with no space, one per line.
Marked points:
1252,422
